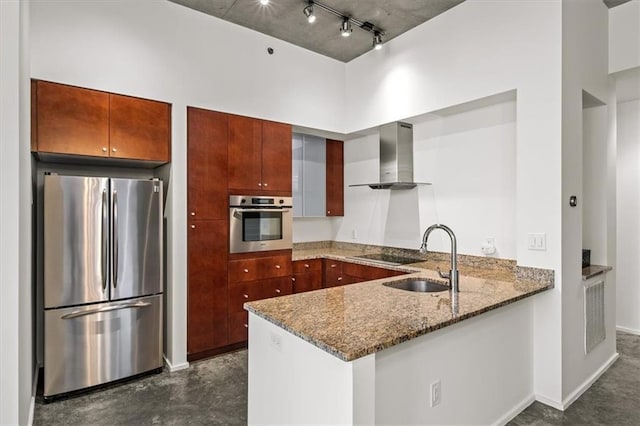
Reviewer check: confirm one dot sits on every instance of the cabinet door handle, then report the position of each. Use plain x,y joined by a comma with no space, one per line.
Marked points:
278,290
104,149
259,184
193,213
246,296
293,279
306,265
339,278
245,270
246,325
113,149
334,265
328,211
193,227
266,184
277,266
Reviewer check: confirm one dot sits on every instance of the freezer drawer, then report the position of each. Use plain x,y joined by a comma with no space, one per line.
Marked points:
90,345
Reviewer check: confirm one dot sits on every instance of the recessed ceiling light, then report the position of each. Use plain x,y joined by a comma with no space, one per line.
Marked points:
264,2
345,28
308,12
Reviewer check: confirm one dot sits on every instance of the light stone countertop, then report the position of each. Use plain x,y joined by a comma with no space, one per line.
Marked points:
355,320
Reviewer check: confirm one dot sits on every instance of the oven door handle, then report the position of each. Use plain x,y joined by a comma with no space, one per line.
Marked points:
268,209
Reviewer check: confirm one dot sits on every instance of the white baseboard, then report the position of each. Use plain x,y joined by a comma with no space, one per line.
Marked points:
172,367
590,381
550,402
628,330
34,389
519,408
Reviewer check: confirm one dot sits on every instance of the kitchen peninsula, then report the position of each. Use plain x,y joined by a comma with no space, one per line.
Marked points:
368,353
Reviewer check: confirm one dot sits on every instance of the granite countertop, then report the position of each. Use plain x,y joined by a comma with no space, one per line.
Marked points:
355,320
593,270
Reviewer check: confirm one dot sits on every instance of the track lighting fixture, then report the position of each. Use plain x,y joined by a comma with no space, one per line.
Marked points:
377,41
308,12
346,28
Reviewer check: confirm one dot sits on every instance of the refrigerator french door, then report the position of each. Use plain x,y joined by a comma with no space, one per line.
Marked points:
103,278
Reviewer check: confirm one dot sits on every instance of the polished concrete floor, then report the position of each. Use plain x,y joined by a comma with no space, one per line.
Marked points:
214,392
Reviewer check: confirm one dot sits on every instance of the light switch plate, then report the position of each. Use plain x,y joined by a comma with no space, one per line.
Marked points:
537,242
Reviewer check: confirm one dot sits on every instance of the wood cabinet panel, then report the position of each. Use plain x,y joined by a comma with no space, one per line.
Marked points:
139,129
308,281
71,120
238,327
245,154
206,164
241,292
207,286
276,157
276,287
275,266
335,178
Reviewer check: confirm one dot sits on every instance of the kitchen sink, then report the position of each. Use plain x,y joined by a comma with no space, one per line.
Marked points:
419,285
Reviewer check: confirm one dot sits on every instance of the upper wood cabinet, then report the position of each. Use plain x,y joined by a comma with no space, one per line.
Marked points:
206,164
259,156
335,178
70,120
77,121
139,128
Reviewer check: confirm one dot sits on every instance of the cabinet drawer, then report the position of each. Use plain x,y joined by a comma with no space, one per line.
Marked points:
337,279
238,327
243,270
242,292
368,272
305,266
276,287
332,266
307,282
275,266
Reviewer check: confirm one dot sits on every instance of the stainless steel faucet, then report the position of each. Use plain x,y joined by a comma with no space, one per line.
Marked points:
453,272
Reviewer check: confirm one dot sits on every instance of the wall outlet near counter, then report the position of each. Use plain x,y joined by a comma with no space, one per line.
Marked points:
436,393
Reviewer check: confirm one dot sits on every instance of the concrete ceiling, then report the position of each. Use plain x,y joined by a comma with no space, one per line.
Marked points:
284,20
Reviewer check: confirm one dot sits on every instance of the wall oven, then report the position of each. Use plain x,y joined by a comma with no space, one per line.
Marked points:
259,223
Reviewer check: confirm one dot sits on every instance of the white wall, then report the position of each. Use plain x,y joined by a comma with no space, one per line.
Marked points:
624,36
585,67
628,186
16,353
315,229
478,49
161,50
449,148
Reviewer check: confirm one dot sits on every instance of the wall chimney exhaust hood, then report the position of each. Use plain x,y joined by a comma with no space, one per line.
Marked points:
396,158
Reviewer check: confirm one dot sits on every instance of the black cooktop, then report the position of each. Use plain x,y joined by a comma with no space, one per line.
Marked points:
389,259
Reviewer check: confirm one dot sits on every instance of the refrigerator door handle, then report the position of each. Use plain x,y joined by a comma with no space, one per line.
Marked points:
114,243
105,239
76,314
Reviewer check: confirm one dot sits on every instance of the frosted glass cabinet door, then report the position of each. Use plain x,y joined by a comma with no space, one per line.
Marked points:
296,175
309,175
314,176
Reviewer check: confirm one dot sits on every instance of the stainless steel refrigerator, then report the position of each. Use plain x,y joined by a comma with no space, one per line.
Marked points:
103,278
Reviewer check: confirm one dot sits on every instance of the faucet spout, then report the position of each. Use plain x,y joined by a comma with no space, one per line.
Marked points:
453,272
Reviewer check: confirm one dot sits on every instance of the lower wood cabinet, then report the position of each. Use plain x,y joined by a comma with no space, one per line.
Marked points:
337,273
207,294
307,275
255,278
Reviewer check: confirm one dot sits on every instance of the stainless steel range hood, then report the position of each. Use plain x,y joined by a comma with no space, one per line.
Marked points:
396,158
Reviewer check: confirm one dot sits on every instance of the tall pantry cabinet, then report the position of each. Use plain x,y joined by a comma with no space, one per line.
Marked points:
208,223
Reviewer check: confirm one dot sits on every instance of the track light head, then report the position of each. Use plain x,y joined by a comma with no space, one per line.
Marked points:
377,41
308,12
345,28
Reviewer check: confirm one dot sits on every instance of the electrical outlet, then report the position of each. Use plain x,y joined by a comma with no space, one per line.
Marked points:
537,242
436,393
276,341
